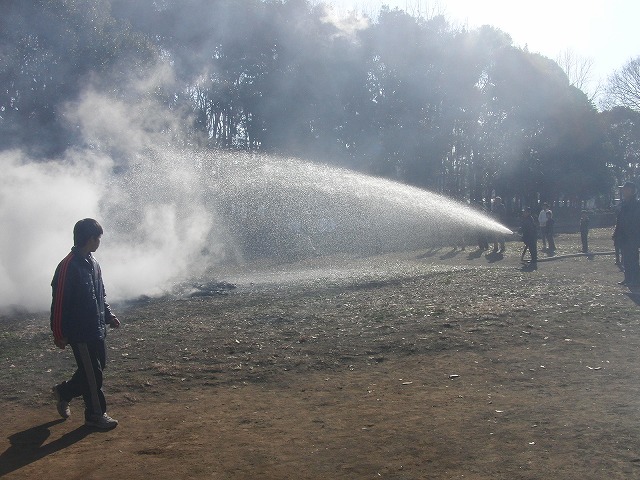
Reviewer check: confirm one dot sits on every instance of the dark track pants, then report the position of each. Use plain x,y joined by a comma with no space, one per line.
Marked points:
630,263
533,250
87,379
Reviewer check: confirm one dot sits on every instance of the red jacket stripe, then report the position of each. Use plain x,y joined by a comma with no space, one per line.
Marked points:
57,311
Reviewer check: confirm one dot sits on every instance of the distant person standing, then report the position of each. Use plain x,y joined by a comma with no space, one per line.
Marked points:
530,235
627,234
482,235
549,232
616,244
584,231
79,315
499,212
542,223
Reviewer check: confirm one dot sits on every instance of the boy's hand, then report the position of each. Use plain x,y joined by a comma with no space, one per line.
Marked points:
114,322
61,342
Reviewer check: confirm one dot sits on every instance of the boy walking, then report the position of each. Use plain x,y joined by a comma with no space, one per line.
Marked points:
79,315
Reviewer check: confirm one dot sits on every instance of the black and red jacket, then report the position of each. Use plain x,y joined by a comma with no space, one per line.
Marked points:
79,311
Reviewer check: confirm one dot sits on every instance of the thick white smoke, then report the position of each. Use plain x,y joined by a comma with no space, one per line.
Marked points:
150,239
39,203
156,228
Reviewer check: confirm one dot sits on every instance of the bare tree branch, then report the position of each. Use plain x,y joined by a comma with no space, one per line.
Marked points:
623,86
577,68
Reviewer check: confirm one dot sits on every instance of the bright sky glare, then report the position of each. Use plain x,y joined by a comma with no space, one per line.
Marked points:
602,31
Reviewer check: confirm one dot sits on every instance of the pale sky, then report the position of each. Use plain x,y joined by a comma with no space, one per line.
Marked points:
603,31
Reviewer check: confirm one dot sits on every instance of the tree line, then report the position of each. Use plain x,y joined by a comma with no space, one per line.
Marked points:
462,112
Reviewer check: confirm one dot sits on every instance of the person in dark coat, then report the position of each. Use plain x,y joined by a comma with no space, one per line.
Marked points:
627,234
79,317
499,211
530,235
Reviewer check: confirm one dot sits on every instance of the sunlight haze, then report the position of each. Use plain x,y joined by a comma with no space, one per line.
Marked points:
604,32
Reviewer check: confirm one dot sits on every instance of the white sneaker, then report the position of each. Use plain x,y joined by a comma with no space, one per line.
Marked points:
61,404
103,422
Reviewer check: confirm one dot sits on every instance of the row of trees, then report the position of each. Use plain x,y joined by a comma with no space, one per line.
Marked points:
462,112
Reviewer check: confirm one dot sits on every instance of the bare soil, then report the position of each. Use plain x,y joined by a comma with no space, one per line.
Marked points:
414,365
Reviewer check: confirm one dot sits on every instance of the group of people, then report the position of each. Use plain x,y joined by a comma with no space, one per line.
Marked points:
80,315
626,235
546,223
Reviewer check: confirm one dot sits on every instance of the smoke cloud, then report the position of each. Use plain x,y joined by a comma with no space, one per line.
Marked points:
150,240
39,203
156,227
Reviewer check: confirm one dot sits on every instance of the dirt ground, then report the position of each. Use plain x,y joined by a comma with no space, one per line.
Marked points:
430,364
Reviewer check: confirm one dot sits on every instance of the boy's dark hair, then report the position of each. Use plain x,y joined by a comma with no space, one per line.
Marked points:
85,230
